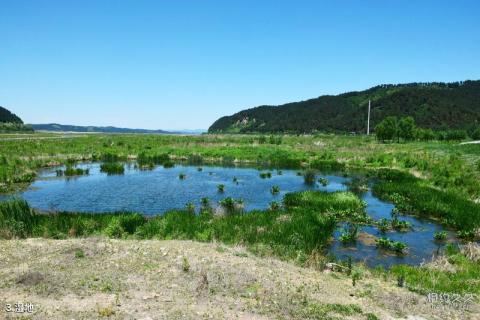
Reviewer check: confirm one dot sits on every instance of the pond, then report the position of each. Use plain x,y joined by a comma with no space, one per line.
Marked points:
158,190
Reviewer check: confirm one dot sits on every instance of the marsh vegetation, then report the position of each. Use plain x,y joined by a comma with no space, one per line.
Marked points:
424,180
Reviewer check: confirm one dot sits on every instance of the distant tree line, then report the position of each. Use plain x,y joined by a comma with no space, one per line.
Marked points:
8,127
405,129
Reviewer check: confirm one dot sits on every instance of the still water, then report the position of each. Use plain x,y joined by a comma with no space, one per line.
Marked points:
156,191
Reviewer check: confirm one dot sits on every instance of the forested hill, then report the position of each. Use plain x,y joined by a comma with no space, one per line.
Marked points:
432,105
8,117
72,128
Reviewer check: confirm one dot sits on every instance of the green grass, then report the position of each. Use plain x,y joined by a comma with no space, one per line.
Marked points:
283,232
463,279
342,205
112,168
395,246
275,190
440,236
413,196
349,233
71,171
16,219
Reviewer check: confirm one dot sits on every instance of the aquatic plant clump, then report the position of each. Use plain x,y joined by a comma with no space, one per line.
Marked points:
323,181
231,205
265,175
440,235
168,164
145,159
396,246
349,234
309,177
275,190
71,171
112,168
343,205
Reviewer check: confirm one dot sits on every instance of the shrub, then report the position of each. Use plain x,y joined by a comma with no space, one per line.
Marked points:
476,134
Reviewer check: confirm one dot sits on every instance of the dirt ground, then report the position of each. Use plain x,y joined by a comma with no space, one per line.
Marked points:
97,278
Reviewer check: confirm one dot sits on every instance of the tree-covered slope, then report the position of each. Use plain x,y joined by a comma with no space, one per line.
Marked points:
432,105
72,128
7,116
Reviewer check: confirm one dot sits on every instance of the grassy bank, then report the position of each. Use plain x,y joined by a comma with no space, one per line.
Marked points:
414,196
297,233
443,164
457,272
300,229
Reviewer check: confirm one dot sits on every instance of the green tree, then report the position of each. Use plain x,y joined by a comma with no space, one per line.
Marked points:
387,129
424,134
406,128
476,134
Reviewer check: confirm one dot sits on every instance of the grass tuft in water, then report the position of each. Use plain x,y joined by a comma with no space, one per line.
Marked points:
275,190
112,168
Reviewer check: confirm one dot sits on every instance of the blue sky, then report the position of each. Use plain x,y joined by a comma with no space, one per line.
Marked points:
182,64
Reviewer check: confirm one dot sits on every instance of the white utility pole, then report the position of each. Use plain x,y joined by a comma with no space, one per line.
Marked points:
368,121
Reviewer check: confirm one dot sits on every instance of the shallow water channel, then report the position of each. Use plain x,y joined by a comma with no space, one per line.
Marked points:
155,191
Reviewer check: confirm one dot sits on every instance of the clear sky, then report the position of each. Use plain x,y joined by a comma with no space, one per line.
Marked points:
182,64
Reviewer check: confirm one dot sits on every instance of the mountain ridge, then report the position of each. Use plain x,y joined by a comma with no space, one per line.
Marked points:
7,116
435,105
56,127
